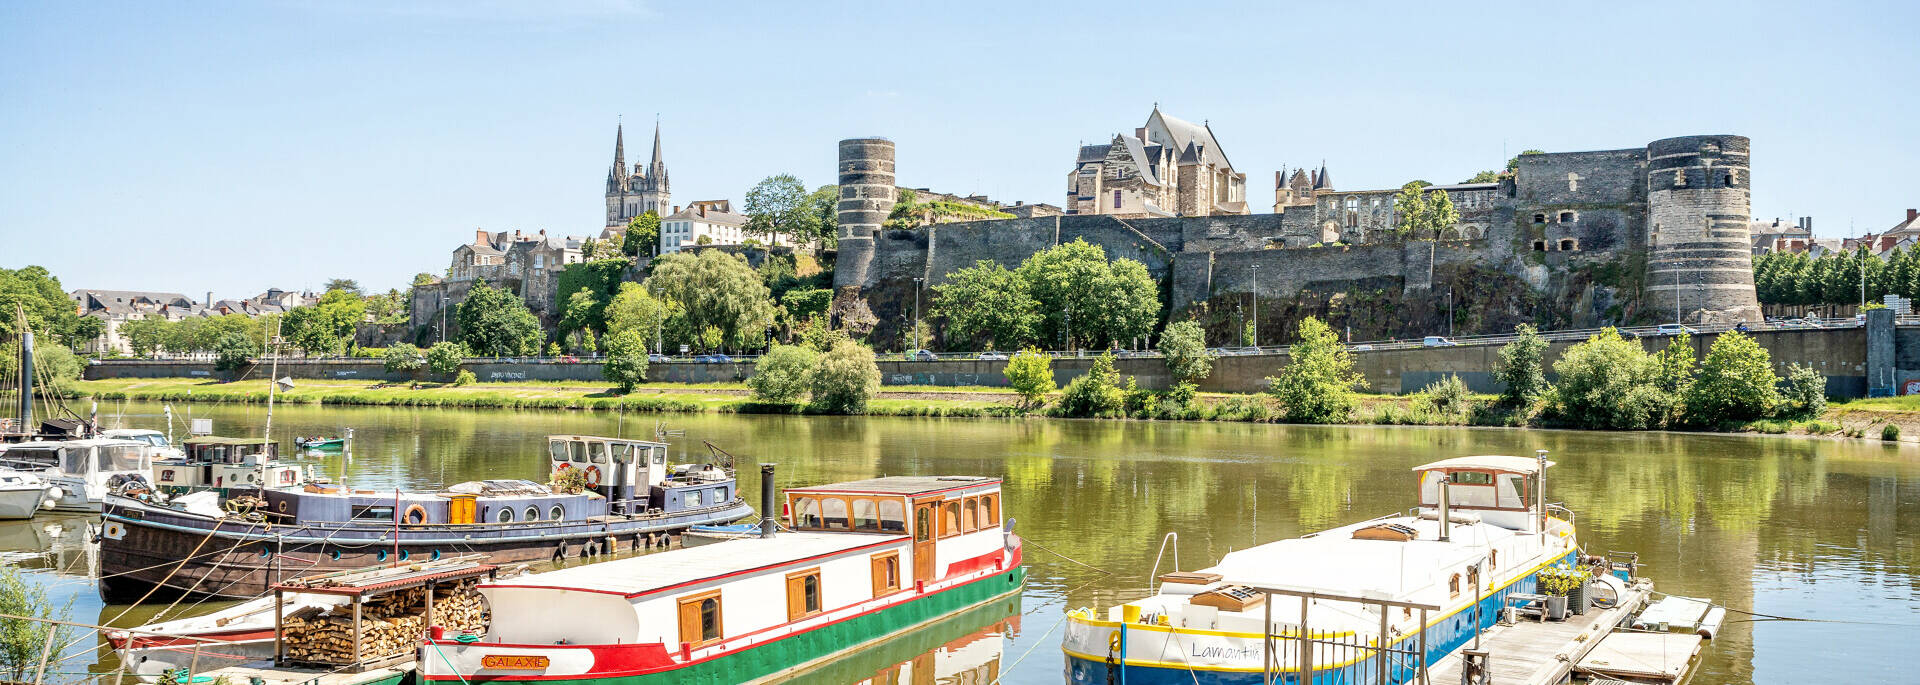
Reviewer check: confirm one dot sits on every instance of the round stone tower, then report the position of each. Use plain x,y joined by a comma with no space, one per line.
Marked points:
1699,256
866,197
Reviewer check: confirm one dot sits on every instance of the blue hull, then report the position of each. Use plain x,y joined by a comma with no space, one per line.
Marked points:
1442,639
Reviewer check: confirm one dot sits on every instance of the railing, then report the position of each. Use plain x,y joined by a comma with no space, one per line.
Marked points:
1170,537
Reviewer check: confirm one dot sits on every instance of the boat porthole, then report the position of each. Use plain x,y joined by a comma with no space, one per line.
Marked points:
334,554
264,553
435,556
381,556
405,553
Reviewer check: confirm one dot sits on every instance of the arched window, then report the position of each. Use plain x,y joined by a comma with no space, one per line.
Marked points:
710,619
1569,245
969,516
1453,586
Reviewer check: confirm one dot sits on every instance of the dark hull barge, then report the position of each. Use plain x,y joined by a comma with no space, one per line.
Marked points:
629,499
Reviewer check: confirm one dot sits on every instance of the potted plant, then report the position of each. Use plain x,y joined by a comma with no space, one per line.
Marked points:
1557,584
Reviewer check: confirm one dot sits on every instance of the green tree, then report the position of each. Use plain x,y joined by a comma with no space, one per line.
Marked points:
145,336
1096,393
1030,373
1249,336
83,329
582,342
389,307
326,327
643,236
1673,365
1422,213
1318,383
712,289
845,379
1736,382
582,312
1806,393
783,373
495,323
986,307
233,351
712,338
21,639
443,359
626,365
823,206
51,363
49,312
403,358
352,287
807,303
1608,382
1074,286
632,309
424,278
1484,177
778,204
1184,345
1520,369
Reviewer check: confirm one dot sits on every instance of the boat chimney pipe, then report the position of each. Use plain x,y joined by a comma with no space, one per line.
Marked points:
26,379
767,512
1540,491
1446,510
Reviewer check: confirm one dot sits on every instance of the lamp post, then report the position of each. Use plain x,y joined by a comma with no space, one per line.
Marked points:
1256,304
916,311
659,323
1068,338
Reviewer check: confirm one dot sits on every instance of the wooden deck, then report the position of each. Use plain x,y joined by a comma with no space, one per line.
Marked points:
1543,653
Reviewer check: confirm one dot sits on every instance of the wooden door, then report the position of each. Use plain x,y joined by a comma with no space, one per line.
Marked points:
923,536
460,509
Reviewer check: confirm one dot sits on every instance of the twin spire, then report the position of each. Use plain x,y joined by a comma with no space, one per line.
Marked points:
619,177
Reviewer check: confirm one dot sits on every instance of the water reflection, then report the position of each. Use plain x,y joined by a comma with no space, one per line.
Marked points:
1794,527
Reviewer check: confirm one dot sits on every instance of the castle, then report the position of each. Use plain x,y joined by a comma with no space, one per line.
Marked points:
631,193
1634,235
1168,167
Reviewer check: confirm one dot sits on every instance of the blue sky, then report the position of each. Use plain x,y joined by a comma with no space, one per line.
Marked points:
234,146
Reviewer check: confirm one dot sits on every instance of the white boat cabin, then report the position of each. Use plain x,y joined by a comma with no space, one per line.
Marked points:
222,463
634,476
1500,490
81,471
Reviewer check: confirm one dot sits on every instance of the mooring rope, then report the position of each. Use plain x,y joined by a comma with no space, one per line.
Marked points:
1043,548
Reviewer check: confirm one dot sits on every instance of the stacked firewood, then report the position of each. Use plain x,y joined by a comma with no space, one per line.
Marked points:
390,624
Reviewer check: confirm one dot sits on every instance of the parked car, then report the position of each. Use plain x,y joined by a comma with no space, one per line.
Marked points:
1811,322
923,356
991,356
1363,347
714,359
1675,329
657,358
1437,341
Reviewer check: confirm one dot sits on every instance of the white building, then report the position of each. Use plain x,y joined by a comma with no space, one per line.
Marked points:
712,220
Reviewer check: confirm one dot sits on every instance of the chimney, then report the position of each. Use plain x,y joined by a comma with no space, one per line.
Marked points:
1912,213
702,209
479,236
209,298
1140,133
676,209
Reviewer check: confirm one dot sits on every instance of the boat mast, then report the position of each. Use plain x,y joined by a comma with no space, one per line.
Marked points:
273,377
26,369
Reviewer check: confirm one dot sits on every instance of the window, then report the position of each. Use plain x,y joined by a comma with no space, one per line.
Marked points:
1731,178
893,516
969,515
557,449
1493,560
693,498
557,513
886,573
1540,218
989,510
533,513
864,516
806,512
1569,244
949,518
1453,586
377,513
1471,478
1353,203
700,619
578,450
922,523
1116,199
834,513
1539,246
597,452
1566,217
505,515
803,594
622,453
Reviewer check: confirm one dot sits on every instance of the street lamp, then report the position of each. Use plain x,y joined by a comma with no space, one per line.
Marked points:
916,311
659,323
1256,304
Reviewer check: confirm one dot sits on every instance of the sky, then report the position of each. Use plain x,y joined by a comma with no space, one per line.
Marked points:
232,147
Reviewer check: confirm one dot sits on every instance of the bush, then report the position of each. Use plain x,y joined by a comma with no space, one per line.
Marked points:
1185,346
626,365
1243,408
465,377
1447,399
1820,427
443,359
1317,385
21,641
1608,382
553,349
403,358
1031,374
845,379
782,375
1520,368
1806,394
1095,394
1736,382
1890,433
233,351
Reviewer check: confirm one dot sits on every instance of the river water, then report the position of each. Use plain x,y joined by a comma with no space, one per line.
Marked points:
1807,529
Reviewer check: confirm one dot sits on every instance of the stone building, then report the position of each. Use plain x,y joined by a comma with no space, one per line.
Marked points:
1168,167
631,193
115,307
711,220
1775,235
529,264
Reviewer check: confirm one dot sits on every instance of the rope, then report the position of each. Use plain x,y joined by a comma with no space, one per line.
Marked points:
1773,617
1043,636
1043,548
449,662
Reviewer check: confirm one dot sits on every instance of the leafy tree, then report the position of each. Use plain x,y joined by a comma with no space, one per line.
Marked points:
816,334
1736,382
443,359
50,362
424,278
582,342
806,304
1095,394
48,309
823,206
1030,373
1249,337
783,373
1184,345
635,310
495,323
1806,394
601,279
712,338
1609,382
626,365
845,379
1422,213
581,312
553,349
643,235
986,305
1447,397
83,329
778,204
1520,368
1108,302
1673,366
464,378
1484,177
403,358
22,640
326,326
1318,383
352,287
388,307
713,289
145,336
233,351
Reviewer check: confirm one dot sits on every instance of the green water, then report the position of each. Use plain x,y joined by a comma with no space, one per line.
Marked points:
1791,527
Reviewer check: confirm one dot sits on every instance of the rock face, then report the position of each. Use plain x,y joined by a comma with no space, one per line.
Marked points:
1571,239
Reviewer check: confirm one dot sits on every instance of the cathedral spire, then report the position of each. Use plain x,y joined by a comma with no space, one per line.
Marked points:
657,169
620,153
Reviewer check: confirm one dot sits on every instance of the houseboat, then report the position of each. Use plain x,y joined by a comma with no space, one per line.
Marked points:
625,496
863,561
1421,584
226,466
80,474
162,447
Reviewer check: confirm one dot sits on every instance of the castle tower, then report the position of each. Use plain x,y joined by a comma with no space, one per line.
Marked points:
866,197
1699,260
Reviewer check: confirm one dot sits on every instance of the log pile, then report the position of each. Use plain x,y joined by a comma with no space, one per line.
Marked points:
390,624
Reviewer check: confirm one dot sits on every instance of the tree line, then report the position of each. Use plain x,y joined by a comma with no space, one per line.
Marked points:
1834,278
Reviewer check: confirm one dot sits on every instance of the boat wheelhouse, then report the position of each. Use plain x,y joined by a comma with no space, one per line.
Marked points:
864,560
80,474
225,465
1345,605
162,447
328,527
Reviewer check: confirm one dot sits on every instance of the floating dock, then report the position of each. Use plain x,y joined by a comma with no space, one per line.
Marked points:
1530,652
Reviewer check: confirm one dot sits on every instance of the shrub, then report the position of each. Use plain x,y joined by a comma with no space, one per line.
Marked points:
1448,399
443,359
1031,374
783,373
1608,382
1519,369
553,349
1806,394
1890,433
233,351
845,379
403,358
1243,408
1097,393
1137,401
1820,427
626,365
21,640
1736,382
465,377
1184,345
1317,385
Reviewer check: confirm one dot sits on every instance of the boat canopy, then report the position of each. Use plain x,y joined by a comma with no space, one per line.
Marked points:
641,575
1507,464
499,487
901,485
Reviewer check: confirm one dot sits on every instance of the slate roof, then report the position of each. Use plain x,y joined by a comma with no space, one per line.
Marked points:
1093,153
1187,133
1138,149
712,217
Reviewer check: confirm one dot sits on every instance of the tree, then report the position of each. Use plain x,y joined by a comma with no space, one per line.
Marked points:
712,338
424,278
581,312
1608,382
145,336
1736,382
1673,365
823,206
1317,385
233,351
1806,394
495,323
23,640
712,289
1484,177
403,358
1184,344
1030,373
643,236
1520,368
778,204
388,307
83,329
783,373
326,327
626,365
805,304
845,379
49,312
443,359
632,309
1421,213
1096,393
987,306
349,285
1107,301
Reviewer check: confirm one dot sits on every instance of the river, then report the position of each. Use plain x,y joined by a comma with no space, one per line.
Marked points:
1811,529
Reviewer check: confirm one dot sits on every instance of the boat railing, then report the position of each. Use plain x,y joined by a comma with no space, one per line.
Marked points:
1560,510
1153,584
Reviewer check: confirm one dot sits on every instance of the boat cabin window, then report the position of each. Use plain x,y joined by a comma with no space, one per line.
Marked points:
597,452
692,499
969,520
533,513
376,512
577,452
893,516
119,457
1453,586
806,512
700,619
659,456
74,460
505,515
622,453
557,450
803,594
886,573
989,510
1493,560
949,518
834,513
557,513
1472,478
922,523
864,515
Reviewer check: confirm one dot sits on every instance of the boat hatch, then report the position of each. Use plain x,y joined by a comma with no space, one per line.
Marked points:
1393,532
1230,598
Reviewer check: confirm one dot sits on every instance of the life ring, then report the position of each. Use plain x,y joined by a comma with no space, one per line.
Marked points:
561,470
280,506
415,515
593,476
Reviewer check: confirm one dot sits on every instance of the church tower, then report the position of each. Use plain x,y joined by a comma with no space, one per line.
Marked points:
640,190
